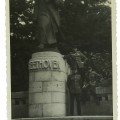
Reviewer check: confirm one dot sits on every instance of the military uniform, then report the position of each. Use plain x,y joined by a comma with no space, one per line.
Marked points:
75,88
78,56
92,80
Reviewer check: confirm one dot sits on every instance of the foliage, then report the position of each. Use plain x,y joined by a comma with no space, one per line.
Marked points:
101,64
85,23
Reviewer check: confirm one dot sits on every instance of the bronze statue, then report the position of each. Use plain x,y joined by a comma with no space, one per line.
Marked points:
46,14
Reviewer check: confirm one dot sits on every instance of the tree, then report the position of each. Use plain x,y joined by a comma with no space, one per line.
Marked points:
88,23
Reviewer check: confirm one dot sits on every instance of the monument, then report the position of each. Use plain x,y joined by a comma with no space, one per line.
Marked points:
48,70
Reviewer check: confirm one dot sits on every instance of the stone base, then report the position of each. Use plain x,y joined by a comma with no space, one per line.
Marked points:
71,118
48,73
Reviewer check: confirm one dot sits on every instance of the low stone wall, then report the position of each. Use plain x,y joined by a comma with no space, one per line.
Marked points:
19,104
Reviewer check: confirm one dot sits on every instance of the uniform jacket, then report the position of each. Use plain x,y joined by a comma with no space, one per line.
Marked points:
74,83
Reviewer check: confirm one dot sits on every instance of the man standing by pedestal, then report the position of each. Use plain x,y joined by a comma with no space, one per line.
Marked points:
75,88
80,59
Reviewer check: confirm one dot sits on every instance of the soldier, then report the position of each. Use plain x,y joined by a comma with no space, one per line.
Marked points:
74,84
91,82
80,59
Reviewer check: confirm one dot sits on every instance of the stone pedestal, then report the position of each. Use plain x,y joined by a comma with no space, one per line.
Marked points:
47,85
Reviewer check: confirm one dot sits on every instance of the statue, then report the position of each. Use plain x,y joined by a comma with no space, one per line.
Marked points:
45,63
46,16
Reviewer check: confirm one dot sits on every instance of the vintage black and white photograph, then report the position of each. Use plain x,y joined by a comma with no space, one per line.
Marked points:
61,59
